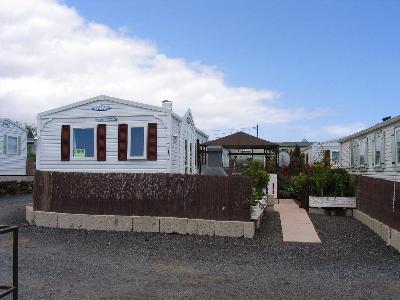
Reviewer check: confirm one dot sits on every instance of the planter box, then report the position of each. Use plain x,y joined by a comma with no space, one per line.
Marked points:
334,202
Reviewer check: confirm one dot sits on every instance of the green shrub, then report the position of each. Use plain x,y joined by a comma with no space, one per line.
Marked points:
324,181
259,180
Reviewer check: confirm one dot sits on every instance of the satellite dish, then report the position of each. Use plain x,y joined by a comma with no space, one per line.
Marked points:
284,159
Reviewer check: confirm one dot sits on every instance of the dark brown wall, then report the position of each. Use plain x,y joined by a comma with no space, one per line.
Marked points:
190,196
375,198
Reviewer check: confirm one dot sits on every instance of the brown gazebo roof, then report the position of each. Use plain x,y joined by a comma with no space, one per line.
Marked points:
241,140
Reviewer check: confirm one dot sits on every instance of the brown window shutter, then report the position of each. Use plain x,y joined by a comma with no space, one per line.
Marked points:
122,141
152,141
101,142
65,142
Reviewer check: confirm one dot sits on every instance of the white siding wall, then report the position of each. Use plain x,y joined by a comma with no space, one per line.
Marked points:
175,146
389,171
12,164
316,151
188,134
49,144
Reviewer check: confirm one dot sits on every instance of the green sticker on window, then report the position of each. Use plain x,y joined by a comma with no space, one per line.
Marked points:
79,152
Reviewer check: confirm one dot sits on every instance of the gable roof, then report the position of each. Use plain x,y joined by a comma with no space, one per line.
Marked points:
240,140
122,101
13,122
104,98
370,129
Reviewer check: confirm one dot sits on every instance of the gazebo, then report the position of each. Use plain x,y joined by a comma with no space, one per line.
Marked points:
237,142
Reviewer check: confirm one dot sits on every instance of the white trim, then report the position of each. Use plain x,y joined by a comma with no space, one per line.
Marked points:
94,143
14,123
102,98
13,136
370,129
363,152
138,125
377,136
396,130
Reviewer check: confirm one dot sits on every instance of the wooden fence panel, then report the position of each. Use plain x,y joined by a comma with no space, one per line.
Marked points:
175,195
375,198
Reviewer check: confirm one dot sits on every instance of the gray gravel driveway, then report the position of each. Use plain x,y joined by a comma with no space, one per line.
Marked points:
351,262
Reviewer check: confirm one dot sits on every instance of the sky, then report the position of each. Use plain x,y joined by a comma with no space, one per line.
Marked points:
299,69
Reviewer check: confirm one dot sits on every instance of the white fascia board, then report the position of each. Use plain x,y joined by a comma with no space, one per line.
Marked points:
104,98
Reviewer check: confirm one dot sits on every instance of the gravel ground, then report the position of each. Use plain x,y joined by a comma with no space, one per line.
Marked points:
352,262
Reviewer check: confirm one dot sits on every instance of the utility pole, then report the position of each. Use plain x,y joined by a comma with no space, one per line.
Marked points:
257,129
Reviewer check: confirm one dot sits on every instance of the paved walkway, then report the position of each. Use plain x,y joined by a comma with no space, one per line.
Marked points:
295,222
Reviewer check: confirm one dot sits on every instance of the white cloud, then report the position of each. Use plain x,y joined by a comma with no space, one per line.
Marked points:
342,130
51,56
317,133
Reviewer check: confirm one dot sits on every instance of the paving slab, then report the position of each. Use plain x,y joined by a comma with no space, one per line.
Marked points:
295,222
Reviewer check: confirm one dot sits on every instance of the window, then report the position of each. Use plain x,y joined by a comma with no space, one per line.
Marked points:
83,143
186,156
12,145
352,154
362,153
335,157
137,142
377,150
397,137
190,157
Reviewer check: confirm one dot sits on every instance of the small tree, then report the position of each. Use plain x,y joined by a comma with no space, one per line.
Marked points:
341,180
326,160
259,180
32,131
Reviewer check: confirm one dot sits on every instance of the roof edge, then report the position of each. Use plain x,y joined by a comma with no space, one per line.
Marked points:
370,129
105,98
14,123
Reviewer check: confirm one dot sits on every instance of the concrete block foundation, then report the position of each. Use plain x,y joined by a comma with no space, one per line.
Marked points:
229,228
145,224
141,224
389,235
46,219
69,221
173,225
201,227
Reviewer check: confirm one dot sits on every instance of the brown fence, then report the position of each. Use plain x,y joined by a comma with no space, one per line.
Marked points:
189,196
375,198
30,166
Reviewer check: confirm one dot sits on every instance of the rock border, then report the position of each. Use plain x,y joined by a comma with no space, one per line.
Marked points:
140,224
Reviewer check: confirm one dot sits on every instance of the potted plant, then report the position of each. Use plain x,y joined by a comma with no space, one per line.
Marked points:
259,181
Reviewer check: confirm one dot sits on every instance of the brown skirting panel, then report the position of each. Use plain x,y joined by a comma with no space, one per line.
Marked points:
165,195
375,198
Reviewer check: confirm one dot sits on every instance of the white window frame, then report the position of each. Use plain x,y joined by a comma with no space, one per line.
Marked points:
145,137
13,136
396,130
72,157
338,152
378,137
352,155
362,141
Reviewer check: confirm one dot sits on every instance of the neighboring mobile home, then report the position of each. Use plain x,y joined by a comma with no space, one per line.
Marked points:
315,152
106,134
374,151
13,148
290,146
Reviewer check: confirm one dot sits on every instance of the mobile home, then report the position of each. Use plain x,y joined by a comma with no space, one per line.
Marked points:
106,134
374,151
13,138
